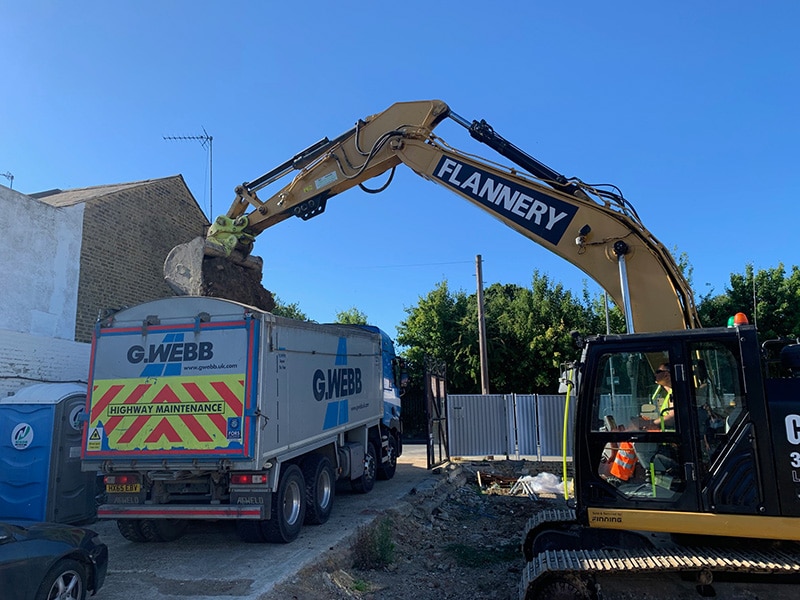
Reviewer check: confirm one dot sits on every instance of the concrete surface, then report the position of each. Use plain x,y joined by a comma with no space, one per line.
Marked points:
210,562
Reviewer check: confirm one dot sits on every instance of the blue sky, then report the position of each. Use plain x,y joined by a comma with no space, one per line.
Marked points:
689,107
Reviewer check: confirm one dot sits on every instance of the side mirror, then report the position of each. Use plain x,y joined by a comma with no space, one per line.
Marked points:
400,374
577,339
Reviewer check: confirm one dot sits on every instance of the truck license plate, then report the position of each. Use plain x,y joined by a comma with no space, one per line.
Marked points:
120,488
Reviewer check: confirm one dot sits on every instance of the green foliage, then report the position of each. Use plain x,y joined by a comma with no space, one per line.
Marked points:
684,265
351,316
432,329
599,306
527,331
770,298
528,334
290,311
373,547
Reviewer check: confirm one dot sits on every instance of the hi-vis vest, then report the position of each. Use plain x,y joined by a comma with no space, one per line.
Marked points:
624,462
665,407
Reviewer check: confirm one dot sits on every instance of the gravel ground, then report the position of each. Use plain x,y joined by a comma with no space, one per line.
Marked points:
461,540
458,541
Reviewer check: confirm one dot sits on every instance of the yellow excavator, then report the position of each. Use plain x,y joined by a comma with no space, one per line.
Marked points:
687,439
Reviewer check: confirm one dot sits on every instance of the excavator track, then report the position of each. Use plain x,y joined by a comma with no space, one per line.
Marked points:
551,515
567,564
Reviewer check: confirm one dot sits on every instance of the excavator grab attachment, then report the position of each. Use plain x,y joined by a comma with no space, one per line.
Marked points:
198,268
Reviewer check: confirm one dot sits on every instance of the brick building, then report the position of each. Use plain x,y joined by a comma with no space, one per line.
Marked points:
66,255
128,230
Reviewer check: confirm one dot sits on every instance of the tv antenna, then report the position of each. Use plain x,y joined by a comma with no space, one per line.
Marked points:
10,177
206,141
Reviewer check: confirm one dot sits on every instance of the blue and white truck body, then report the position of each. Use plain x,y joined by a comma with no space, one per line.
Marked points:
203,408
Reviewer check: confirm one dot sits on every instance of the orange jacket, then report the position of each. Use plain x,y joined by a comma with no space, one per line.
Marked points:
624,462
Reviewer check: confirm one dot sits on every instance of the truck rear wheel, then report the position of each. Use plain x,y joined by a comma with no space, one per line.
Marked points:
386,469
366,482
163,530
320,488
131,530
288,508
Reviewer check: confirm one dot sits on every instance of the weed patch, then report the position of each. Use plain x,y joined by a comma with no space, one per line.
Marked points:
373,547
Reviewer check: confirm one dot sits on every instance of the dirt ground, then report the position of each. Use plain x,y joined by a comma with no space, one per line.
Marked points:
462,541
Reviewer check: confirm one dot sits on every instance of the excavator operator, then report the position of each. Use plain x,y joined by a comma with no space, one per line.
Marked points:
666,411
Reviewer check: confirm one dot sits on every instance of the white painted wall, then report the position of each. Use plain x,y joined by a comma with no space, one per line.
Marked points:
27,359
40,265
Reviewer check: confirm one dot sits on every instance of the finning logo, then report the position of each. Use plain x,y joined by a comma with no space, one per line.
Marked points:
167,358
605,519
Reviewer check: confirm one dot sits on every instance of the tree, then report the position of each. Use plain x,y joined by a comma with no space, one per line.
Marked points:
432,328
598,306
528,334
769,298
351,316
684,265
290,311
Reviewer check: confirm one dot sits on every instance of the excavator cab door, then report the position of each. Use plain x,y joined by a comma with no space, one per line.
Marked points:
640,434
676,441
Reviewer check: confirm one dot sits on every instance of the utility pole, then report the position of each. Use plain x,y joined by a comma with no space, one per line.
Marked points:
10,177
755,300
482,327
204,140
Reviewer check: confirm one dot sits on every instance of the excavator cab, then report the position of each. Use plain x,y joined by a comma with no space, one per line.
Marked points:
715,490
719,456
683,463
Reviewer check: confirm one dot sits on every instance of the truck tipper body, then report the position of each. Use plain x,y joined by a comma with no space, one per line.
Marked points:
203,408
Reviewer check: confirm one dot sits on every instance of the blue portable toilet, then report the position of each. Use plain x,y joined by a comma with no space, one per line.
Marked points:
40,458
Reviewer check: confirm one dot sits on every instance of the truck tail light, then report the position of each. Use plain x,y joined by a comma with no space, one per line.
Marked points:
249,479
123,479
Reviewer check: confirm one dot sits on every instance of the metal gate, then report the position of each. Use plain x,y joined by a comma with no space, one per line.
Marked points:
509,425
480,424
436,412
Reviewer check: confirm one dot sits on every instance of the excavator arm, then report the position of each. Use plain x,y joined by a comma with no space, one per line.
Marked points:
594,229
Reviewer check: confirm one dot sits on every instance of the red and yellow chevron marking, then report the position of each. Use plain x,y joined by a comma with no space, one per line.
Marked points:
171,413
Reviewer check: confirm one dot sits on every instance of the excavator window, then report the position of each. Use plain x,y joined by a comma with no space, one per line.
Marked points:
640,457
627,391
718,397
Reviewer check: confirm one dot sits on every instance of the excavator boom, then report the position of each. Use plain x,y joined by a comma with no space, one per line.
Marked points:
596,230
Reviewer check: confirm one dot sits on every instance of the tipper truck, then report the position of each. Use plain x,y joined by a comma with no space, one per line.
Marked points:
204,408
